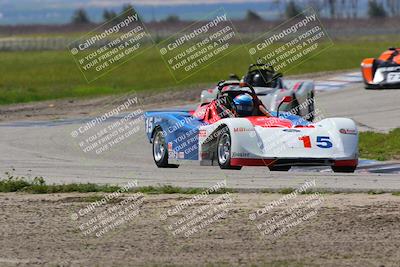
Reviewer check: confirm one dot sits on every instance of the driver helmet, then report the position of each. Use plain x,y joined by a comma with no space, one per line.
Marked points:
260,80
244,105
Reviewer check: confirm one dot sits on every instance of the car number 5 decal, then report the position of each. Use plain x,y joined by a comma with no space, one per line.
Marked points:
322,141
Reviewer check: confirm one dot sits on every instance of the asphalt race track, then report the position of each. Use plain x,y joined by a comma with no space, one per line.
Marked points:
46,148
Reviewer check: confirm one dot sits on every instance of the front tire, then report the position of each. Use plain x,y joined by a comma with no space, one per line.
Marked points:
224,151
160,150
370,86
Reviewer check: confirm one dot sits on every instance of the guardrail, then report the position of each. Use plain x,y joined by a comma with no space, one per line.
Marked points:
34,44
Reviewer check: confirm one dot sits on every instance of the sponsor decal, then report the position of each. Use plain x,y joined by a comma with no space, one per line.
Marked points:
240,155
291,130
181,155
169,146
242,129
348,131
386,69
172,155
393,77
202,133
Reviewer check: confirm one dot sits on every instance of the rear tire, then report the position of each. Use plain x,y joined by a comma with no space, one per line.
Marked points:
279,168
160,150
224,151
311,109
344,169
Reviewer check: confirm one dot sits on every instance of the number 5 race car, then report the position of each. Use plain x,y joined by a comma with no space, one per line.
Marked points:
383,72
226,132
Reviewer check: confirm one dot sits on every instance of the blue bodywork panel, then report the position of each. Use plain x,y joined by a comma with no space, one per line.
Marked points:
296,120
181,132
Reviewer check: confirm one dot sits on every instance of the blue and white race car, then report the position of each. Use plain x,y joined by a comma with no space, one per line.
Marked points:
227,133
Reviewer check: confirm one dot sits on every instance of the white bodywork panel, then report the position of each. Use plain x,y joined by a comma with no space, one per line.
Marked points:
256,142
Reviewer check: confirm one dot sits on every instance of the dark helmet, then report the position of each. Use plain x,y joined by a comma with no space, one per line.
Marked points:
262,75
259,81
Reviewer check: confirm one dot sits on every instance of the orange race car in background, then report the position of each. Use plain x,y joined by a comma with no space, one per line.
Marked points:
383,72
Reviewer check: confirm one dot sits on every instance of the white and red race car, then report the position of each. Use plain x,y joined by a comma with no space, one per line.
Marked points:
270,88
214,135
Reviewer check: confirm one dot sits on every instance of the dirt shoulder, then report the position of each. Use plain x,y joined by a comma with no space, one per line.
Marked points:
78,108
347,230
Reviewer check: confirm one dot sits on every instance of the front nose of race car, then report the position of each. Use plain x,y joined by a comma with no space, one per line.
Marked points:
367,70
330,140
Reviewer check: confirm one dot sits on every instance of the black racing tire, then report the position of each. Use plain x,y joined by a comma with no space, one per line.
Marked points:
283,168
160,150
370,87
344,169
224,151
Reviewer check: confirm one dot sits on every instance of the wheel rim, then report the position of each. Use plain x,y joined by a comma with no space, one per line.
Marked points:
224,148
159,146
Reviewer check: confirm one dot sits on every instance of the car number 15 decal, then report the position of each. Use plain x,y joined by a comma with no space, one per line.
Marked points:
322,141
149,124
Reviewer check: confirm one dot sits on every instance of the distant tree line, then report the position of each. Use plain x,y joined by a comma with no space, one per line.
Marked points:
80,16
335,9
339,9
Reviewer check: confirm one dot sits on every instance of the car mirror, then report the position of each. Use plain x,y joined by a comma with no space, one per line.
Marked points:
287,99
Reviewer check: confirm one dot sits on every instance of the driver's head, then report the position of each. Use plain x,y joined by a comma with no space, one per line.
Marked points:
244,105
261,80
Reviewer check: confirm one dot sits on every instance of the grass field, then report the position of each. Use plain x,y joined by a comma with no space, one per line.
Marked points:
38,185
10,183
34,76
380,146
